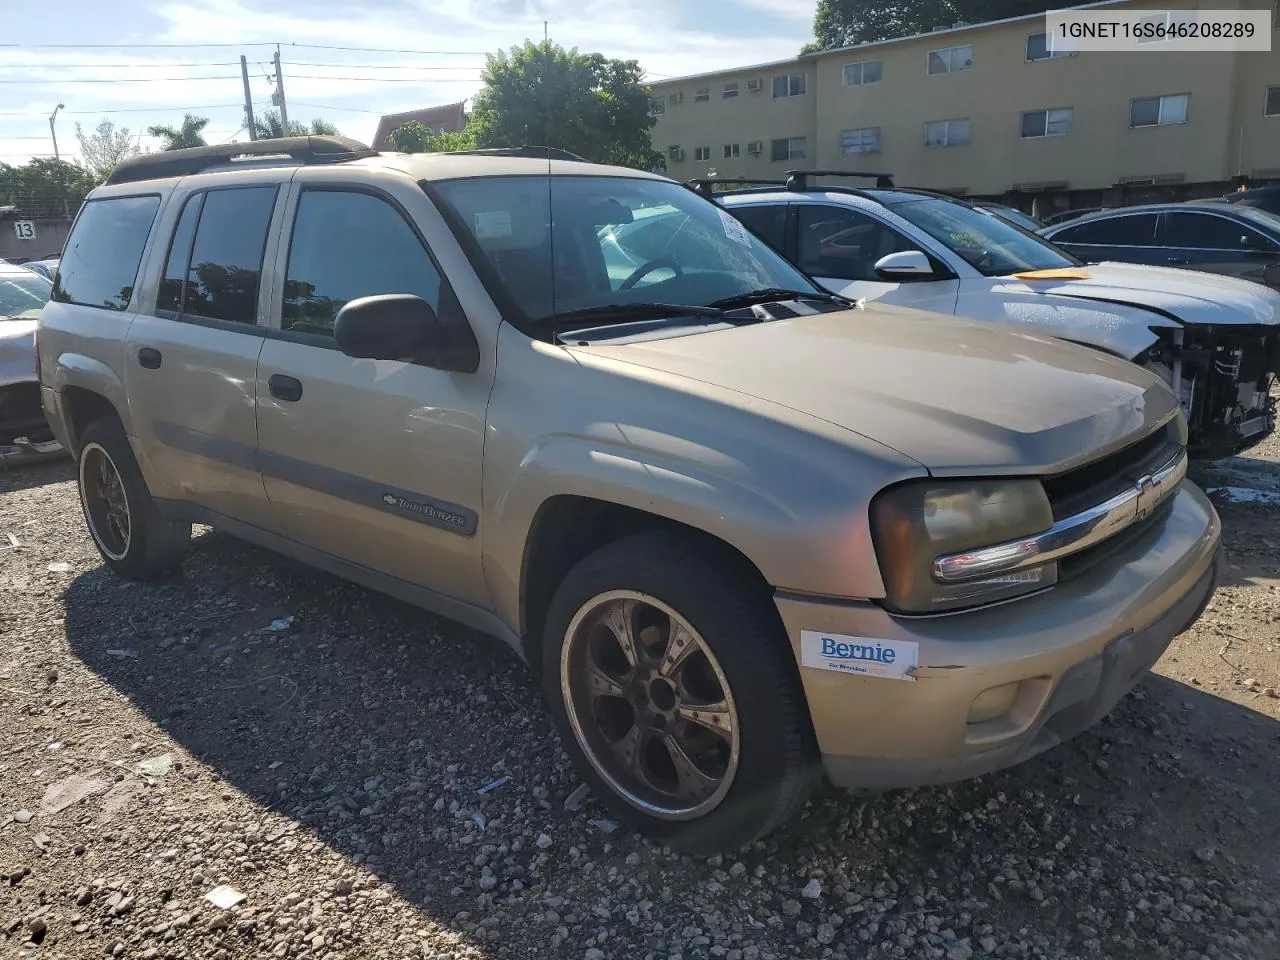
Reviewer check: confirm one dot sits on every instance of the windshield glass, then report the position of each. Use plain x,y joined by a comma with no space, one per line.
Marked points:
21,293
989,244
562,244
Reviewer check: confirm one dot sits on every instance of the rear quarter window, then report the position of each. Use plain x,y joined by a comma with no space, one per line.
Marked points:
99,266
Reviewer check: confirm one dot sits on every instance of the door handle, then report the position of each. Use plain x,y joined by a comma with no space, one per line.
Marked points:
284,388
1178,260
150,358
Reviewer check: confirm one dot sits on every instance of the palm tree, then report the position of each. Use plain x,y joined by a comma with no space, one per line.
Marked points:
185,135
269,127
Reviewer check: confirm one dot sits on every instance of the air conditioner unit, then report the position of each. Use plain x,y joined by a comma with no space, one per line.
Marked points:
755,86
677,97
755,148
675,153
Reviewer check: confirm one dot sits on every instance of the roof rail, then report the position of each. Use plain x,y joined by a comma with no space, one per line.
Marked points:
533,152
798,180
180,163
706,186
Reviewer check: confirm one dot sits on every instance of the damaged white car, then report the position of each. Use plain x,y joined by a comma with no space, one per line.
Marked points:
24,432
1215,339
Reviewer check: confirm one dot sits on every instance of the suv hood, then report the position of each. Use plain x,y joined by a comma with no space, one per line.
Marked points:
958,397
1189,295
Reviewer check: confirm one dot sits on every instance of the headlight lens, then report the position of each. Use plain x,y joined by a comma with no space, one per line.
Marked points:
914,523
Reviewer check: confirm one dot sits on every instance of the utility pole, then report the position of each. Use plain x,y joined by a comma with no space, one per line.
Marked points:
278,99
54,133
248,99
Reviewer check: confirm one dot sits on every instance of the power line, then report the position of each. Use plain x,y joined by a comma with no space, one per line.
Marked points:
73,66
253,43
312,76
94,113
326,106
301,76
61,81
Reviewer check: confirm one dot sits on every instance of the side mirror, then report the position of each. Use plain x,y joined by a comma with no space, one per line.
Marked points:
904,265
401,326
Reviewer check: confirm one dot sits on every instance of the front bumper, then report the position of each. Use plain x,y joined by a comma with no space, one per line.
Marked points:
1074,651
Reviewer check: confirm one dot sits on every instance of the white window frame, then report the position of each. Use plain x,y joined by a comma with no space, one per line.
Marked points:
1266,99
792,83
1049,54
861,133
729,91
861,72
949,55
1160,121
657,106
1047,111
732,151
702,154
701,94
947,141
792,152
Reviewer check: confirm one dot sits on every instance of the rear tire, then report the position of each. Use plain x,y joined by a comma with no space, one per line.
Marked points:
132,536
701,734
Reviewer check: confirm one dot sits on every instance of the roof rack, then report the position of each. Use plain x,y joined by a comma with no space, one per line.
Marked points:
798,180
180,163
706,186
533,152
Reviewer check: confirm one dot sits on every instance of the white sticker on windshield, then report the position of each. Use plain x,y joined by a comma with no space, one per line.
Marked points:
734,230
492,224
863,656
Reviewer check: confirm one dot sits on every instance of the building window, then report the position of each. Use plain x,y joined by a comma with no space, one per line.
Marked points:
1157,111
701,94
701,154
946,133
674,152
1273,102
861,73
789,148
657,106
951,59
789,85
1038,48
730,90
1046,123
863,140
731,151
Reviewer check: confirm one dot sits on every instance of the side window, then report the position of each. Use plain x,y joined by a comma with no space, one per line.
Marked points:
1137,230
100,263
845,244
172,284
768,222
226,256
1206,232
347,245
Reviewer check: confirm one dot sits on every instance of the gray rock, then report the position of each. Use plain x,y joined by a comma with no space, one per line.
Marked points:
812,890
23,816
543,841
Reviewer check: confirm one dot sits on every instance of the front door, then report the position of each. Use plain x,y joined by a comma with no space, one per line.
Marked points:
191,359
1216,244
839,247
373,461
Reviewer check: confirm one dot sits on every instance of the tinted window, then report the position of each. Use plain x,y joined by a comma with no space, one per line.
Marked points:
326,270
175,266
226,258
1137,230
768,223
990,245
845,244
100,264
20,293
1206,231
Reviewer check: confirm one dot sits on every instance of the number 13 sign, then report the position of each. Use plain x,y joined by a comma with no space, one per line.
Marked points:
25,229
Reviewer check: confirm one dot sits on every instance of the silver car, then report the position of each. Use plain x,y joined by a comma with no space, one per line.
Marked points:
23,430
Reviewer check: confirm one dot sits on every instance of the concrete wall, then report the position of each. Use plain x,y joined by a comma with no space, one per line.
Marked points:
50,236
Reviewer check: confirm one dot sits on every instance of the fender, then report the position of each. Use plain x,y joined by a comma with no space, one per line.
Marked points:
78,370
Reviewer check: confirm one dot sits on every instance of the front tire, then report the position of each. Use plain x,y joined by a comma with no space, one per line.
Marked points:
676,692
134,539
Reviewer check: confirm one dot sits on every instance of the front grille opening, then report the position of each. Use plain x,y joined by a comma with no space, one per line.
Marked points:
1078,563
1087,486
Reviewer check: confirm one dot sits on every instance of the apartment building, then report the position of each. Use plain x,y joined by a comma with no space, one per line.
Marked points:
988,110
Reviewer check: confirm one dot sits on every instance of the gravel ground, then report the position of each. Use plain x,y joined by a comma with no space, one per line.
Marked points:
160,742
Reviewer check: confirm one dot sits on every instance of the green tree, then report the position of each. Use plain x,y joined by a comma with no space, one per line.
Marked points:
843,23
105,147
44,187
415,137
269,126
541,94
186,134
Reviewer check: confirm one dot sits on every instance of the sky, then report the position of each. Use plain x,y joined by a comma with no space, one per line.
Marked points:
418,53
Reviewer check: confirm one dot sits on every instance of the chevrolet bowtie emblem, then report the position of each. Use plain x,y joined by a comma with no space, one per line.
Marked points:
1149,495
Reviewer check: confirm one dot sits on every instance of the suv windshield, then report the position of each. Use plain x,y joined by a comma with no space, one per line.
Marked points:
564,244
989,244
22,294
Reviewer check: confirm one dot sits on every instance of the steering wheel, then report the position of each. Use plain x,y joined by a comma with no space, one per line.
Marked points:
646,268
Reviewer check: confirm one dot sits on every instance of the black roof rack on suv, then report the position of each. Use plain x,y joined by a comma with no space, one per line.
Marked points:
798,180
534,152
706,186
179,163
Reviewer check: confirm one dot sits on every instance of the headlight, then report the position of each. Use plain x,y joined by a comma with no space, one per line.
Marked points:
914,523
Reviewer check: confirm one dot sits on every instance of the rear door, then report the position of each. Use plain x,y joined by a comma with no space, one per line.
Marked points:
1127,238
1218,244
839,246
376,462
192,353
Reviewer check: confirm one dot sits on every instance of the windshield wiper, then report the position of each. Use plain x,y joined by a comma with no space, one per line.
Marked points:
772,295
623,312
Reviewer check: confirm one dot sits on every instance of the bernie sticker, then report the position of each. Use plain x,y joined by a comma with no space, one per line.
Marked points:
863,656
